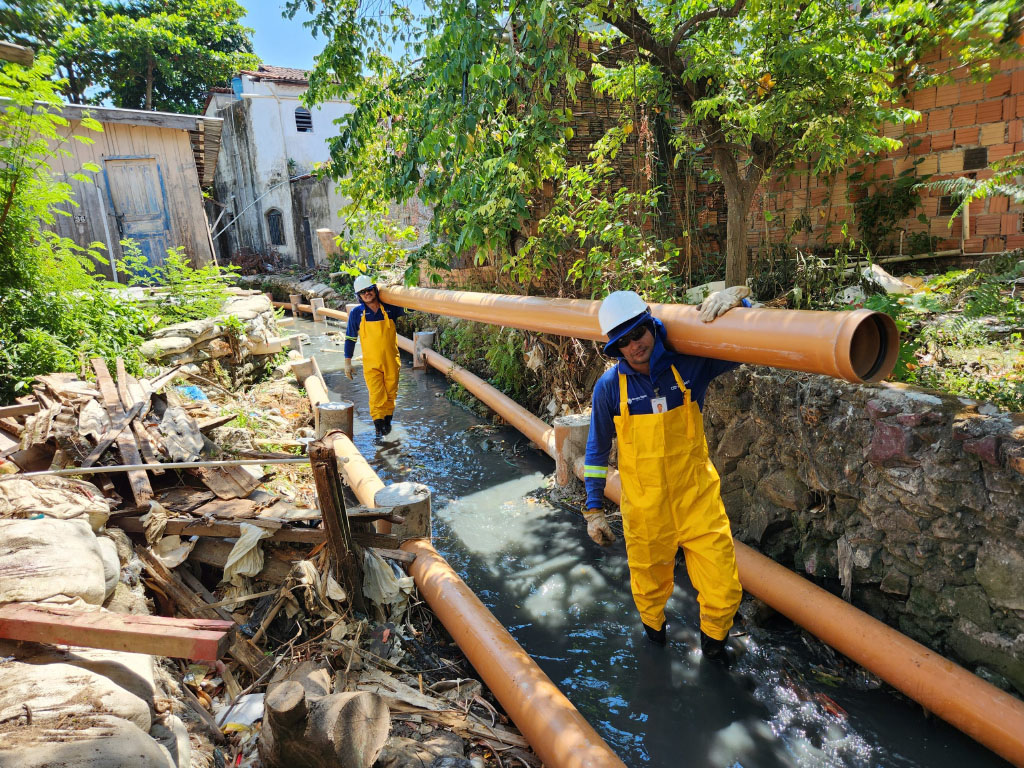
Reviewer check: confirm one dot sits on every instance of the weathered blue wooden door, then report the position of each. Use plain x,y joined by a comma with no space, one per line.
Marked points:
139,204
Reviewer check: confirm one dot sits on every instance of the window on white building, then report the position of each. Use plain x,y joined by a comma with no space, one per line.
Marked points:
303,120
275,221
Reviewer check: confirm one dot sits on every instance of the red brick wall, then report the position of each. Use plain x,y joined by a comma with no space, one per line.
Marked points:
956,117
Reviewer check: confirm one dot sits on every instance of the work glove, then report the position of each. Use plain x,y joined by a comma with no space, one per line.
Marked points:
348,368
720,302
598,528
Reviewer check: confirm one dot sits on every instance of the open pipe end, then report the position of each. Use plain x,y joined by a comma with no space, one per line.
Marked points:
873,344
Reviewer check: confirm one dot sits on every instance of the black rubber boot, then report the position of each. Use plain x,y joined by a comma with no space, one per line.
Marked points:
378,427
656,636
717,651
387,425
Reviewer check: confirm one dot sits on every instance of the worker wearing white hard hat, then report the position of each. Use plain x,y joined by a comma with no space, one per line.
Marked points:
651,402
372,323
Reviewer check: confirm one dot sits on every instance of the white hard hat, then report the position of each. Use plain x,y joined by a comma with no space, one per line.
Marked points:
618,308
620,313
362,283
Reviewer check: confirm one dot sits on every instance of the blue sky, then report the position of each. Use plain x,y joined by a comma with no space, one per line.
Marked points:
279,41
283,42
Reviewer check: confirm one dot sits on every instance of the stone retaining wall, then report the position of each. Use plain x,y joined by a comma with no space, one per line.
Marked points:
910,502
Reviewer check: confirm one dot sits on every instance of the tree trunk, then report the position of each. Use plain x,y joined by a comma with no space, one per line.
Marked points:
149,83
739,193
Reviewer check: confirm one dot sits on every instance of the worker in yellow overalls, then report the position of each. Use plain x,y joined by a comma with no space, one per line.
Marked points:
372,323
651,402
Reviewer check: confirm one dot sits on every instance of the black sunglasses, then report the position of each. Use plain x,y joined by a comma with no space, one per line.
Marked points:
367,290
633,335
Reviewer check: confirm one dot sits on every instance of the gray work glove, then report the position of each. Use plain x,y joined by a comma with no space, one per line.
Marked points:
720,302
598,528
348,368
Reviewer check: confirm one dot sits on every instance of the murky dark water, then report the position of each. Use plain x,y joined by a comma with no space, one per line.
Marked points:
567,602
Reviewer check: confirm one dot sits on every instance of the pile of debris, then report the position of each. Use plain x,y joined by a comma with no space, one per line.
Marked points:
290,630
246,328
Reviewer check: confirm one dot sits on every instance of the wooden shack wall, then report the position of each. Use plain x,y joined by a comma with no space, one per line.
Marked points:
172,151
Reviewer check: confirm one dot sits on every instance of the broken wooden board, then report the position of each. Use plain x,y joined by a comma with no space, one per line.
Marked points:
19,409
227,482
185,498
190,604
198,639
137,478
228,509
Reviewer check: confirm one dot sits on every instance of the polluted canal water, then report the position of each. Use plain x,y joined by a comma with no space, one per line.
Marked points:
568,603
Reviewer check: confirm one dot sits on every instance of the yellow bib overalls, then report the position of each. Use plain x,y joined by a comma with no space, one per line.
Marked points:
381,363
670,499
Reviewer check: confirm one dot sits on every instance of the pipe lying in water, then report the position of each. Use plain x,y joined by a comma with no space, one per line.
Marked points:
982,711
988,715
554,727
857,346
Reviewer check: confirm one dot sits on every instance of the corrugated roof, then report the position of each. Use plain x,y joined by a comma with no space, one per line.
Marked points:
278,74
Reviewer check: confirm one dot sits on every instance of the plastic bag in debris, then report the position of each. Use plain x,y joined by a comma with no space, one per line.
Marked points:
155,521
384,587
246,558
58,497
320,591
172,551
192,392
246,711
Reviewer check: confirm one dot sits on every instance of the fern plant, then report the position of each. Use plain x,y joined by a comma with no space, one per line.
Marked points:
1004,181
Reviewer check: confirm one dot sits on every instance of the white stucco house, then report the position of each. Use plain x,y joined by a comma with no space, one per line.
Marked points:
270,143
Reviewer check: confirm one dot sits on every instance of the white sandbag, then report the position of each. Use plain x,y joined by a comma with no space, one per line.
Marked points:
100,741
172,737
135,672
55,561
111,564
63,691
58,497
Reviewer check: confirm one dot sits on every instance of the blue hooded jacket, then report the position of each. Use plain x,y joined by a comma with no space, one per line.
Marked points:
696,373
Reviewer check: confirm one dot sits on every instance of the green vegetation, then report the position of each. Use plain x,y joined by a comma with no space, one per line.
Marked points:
140,54
191,293
55,313
475,118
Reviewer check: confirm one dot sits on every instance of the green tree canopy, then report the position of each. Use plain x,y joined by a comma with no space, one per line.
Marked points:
474,117
141,54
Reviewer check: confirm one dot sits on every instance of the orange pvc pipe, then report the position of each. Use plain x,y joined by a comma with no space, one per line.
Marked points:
857,346
558,733
360,475
988,715
537,430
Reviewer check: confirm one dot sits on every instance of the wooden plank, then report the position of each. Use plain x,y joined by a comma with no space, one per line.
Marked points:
137,478
19,54
20,409
116,428
199,639
223,530
346,553
190,604
207,424
185,498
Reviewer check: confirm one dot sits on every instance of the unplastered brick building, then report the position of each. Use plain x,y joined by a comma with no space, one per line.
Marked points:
964,127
